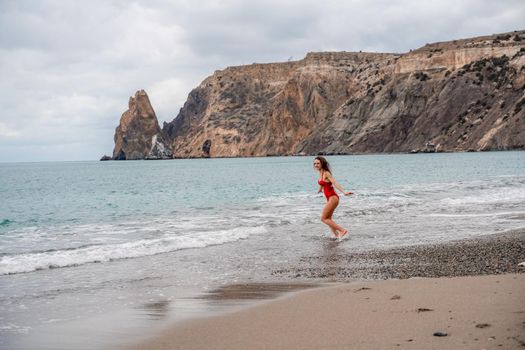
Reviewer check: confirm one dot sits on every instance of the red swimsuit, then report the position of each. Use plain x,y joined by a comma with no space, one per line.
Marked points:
328,188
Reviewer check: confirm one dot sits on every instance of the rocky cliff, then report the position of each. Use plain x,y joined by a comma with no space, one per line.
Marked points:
452,96
138,135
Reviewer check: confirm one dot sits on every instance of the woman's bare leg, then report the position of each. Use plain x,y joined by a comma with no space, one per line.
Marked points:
326,217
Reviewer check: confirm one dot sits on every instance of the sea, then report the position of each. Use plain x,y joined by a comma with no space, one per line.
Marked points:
94,255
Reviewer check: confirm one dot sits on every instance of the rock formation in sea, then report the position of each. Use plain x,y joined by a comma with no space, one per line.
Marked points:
138,135
451,96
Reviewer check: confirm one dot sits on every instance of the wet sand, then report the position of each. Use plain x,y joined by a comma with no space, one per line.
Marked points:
481,307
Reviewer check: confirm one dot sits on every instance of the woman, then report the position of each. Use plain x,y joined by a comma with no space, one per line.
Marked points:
326,184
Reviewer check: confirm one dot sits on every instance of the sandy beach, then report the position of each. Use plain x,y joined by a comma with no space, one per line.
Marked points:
483,308
484,312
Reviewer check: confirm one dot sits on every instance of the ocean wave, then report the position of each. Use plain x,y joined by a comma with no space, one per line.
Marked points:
5,222
477,215
53,250
30,262
492,196
287,197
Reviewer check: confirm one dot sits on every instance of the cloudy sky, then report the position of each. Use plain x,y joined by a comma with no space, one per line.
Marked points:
68,68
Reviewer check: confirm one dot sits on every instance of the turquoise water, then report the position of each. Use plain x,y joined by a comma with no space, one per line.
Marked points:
77,234
40,194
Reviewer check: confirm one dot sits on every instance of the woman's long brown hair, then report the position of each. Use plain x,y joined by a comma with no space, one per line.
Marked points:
324,163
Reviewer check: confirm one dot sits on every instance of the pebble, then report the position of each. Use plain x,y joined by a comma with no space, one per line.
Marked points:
493,254
482,325
423,309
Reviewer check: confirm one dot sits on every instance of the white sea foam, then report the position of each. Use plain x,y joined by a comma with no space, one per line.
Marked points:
286,198
509,195
29,262
14,328
476,215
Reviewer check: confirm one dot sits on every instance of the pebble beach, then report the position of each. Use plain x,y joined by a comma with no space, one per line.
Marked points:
465,294
165,254
486,255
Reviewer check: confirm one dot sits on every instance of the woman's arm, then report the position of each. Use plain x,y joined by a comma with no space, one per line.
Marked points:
337,185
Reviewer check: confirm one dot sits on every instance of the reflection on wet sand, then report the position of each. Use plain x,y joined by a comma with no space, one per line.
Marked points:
250,291
156,310
331,257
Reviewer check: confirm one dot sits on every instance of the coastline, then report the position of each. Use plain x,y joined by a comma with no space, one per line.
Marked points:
327,154
469,289
152,263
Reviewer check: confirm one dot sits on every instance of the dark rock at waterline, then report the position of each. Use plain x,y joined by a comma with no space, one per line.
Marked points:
138,135
105,157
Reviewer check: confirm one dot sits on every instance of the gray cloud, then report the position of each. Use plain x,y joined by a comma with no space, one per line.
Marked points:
68,68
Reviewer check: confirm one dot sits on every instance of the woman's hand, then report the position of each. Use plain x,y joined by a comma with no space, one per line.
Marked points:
348,193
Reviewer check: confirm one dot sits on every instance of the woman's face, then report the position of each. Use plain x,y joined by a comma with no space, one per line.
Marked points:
317,164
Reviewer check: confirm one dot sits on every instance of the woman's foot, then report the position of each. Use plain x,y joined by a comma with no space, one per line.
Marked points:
342,234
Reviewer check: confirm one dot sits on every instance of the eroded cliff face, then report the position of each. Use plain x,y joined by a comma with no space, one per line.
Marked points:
452,96
447,97
138,135
267,109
